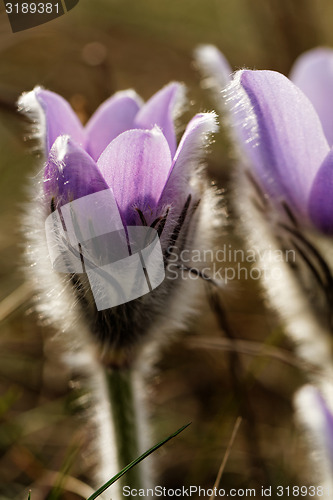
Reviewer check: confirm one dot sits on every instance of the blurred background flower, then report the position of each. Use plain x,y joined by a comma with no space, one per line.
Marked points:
314,413
283,187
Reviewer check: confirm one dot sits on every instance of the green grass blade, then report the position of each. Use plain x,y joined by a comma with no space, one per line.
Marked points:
135,462
29,495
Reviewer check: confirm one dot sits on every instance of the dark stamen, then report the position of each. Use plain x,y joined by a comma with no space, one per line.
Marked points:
161,224
53,207
156,221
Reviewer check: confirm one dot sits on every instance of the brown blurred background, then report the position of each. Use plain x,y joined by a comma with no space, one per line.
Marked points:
97,48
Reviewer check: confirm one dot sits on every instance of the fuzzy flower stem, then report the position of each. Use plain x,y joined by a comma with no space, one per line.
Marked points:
125,417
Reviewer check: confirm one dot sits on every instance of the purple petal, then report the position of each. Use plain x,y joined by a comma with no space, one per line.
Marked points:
213,65
136,165
313,74
54,116
279,132
321,196
70,173
159,110
112,118
187,157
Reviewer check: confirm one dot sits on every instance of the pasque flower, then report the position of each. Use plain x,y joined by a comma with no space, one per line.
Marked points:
285,129
282,130
285,142
129,148
128,152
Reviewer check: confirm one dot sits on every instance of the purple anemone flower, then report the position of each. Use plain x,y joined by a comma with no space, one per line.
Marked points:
283,184
130,149
126,146
285,130
284,141
99,183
